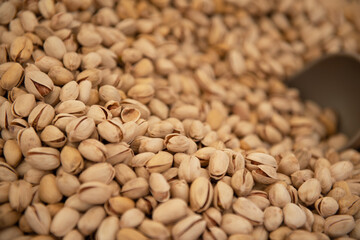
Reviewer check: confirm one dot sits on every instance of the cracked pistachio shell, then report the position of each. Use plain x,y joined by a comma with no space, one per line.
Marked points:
28,139
265,174
236,161
21,49
61,120
80,129
23,105
242,182
189,169
53,136
159,187
135,188
176,142
71,160
218,164
98,113
258,158
326,206
190,227
338,225
161,162
41,116
38,218
201,194
20,195
38,84
99,172
74,107
5,114
118,153
248,210
93,150
223,196
94,192
111,130
43,158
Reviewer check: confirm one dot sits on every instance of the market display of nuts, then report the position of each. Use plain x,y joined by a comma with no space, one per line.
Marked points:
172,120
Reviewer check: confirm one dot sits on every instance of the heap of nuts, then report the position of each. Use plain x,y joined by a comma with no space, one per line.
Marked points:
159,119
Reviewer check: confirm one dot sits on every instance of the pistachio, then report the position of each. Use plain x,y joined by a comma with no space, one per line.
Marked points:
20,195
41,116
38,218
135,188
21,49
131,218
201,194
273,217
242,182
154,229
248,210
64,221
91,220
53,136
94,192
326,206
294,216
12,77
234,224
338,225
38,83
310,191
223,196
71,160
218,164
111,130
93,150
80,129
189,169
100,172
170,211
43,158
28,139
159,187
108,228
160,162
190,227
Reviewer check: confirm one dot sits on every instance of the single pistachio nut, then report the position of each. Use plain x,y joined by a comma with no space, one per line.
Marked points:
235,224
279,195
180,189
273,218
48,190
21,49
12,77
64,221
108,228
201,194
223,196
20,195
99,113
94,192
53,137
70,91
111,130
100,172
349,204
309,191
74,107
38,218
326,206
28,139
218,164
43,158
131,218
135,188
248,210
93,150
130,234
91,220
80,129
67,183
161,162
41,116
38,83
242,182
294,216
12,152
190,227
71,160
54,47
189,169
123,173
338,225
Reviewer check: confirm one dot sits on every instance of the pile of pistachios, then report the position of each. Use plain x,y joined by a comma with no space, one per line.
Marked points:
170,119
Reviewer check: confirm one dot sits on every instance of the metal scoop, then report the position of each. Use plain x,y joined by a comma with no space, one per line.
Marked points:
334,81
